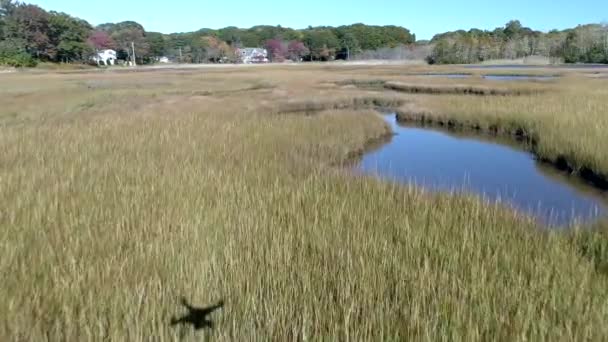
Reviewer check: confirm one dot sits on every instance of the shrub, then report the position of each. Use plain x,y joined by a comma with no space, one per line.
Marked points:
21,60
12,53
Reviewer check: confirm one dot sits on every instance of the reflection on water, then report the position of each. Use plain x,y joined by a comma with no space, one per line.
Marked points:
442,161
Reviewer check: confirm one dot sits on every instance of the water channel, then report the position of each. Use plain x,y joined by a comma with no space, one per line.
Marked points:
441,160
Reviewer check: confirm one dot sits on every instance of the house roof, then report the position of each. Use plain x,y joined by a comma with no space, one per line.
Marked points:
251,50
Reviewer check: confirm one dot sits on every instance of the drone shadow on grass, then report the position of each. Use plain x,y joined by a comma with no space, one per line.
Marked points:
197,317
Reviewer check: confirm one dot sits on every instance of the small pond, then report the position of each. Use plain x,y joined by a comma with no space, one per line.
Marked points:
443,161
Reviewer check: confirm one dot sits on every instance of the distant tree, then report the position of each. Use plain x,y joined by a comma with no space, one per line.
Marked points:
570,50
30,24
177,45
125,34
228,53
156,43
322,43
202,49
277,50
297,50
440,53
349,45
395,35
512,28
366,37
101,40
69,36
265,33
72,51
218,51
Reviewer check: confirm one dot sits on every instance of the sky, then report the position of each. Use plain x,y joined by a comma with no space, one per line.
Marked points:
423,17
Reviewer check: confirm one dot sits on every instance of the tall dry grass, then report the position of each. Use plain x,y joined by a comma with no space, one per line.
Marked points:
122,192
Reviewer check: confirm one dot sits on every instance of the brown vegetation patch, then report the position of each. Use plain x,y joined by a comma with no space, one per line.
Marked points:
415,88
437,89
315,106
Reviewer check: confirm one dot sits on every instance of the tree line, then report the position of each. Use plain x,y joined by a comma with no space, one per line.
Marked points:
312,43
583,44
30,34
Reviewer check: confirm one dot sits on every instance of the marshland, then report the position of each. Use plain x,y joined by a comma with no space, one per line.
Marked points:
122,191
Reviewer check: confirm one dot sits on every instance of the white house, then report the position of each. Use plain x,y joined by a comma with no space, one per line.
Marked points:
107,57
253,55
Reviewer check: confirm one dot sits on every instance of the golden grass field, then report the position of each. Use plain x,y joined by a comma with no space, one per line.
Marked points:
122,191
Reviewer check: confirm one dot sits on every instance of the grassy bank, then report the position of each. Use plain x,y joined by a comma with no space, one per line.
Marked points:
420,87
122,192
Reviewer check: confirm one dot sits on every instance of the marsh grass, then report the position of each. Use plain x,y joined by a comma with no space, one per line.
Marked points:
117,201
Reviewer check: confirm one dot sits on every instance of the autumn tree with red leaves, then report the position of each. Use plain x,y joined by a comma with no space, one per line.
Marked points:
101,40
296,50
277,50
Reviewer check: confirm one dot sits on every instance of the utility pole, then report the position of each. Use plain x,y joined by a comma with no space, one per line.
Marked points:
180,54
347,53
133,48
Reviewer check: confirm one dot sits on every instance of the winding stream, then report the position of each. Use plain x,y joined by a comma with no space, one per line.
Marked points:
445,161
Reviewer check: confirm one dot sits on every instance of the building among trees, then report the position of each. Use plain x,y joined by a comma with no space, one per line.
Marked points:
252,55
105,57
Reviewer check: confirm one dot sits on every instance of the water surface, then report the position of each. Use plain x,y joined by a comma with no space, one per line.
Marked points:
442,75
491,77
442,161
519,77
530,66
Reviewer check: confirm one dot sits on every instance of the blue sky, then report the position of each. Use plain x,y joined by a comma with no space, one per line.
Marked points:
424,18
